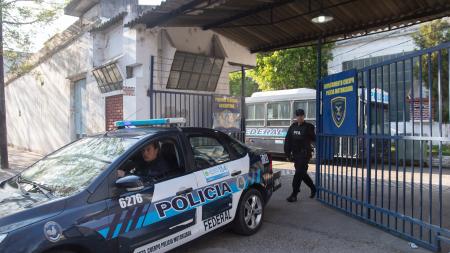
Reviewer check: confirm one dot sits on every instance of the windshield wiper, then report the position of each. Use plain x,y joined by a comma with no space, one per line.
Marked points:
20,187
44,189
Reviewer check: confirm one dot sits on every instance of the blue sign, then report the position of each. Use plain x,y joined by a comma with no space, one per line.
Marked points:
339,100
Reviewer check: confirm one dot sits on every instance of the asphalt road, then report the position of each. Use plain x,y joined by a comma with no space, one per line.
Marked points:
305,226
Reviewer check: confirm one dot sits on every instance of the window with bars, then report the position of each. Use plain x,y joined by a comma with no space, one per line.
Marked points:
108,78
278,114
194,72
255,114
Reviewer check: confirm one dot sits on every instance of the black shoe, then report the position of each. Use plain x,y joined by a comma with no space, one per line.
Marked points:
292,198
313,194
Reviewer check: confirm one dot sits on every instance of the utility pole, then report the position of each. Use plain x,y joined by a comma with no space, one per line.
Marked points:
4,164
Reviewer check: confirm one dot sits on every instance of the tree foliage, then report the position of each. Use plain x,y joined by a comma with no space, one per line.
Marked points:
290,68
429,35
236,81
22,20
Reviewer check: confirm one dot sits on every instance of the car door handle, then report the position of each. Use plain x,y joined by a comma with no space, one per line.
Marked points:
235,173
185,191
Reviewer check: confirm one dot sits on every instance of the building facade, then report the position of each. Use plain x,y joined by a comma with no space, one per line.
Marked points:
99,70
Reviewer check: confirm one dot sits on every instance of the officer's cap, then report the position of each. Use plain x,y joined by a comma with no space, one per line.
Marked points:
299,112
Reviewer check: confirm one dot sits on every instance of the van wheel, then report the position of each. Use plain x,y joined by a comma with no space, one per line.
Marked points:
249,214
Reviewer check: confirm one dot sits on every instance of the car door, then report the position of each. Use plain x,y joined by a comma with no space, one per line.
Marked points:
157,217
220,175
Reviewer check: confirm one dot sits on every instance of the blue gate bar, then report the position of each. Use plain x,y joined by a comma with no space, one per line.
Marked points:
430,185
381,199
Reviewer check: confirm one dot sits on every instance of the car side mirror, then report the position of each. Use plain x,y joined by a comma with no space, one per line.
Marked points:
130,183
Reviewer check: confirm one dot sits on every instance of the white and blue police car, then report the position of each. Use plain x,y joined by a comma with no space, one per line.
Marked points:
74,201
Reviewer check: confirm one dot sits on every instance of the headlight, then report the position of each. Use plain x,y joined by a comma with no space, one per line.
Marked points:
2,237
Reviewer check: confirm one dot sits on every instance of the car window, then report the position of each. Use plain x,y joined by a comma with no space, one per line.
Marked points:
238,147
158,160
208,151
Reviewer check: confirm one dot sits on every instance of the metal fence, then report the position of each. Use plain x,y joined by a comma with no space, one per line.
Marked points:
196,108
387,175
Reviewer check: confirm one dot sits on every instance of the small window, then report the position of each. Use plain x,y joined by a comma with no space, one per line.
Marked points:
279,114
108,78
194,72
208,152
255,115
311,109
130,72
308,106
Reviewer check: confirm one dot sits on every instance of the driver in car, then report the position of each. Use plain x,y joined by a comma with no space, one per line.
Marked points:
152,166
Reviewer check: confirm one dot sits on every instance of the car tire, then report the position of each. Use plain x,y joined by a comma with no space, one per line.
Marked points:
250,213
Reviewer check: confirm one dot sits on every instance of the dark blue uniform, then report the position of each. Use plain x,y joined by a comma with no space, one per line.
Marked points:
153,170
297,145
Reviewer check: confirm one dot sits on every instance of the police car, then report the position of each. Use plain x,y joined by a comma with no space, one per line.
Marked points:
74,201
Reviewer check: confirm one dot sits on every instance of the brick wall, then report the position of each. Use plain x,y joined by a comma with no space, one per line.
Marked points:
414,109
113,110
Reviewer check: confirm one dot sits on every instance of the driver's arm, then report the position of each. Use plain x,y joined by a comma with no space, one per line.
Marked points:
126,169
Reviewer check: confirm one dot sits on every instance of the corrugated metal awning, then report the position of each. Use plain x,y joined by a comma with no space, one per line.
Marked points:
263,25
110,22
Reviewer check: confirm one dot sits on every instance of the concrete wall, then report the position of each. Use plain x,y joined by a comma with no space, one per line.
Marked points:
40,104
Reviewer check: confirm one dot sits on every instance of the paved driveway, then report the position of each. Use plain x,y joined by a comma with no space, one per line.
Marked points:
305,226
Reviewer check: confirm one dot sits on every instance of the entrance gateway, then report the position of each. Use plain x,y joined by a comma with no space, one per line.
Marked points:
380,145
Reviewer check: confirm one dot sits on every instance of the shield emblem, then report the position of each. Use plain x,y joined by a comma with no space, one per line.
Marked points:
338,110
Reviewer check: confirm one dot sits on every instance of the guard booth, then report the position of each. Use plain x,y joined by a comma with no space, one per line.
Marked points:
380,145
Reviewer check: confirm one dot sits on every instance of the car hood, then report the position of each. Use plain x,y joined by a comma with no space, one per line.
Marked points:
19,207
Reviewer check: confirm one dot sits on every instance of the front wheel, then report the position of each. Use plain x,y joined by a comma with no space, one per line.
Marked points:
249,214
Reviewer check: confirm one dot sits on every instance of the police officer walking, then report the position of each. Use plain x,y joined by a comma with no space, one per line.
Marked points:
297,146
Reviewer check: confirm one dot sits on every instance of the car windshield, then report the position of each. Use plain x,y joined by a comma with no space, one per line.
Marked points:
73,168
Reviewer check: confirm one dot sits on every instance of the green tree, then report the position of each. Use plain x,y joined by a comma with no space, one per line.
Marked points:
290,68
17,16
236,81
22,19
429,35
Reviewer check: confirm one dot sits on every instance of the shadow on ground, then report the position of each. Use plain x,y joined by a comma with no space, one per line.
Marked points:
305,226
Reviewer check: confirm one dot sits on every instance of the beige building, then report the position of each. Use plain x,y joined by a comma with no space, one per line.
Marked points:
98,71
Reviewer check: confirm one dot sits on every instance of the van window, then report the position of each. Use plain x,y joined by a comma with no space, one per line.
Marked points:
279,114
255,115
309,106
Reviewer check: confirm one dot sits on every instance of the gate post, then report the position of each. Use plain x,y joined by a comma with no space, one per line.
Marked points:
152,73
318,114
243,100
368,141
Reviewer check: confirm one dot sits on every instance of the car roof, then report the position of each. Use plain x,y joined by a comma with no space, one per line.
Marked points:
141,132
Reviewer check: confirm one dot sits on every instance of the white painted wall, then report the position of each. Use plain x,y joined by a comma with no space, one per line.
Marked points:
41,117
40,106
393,42
163,43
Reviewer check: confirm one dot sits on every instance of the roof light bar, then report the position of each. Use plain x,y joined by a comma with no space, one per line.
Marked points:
149,122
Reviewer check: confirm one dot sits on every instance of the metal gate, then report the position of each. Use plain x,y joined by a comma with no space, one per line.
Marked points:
196,107
395,173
